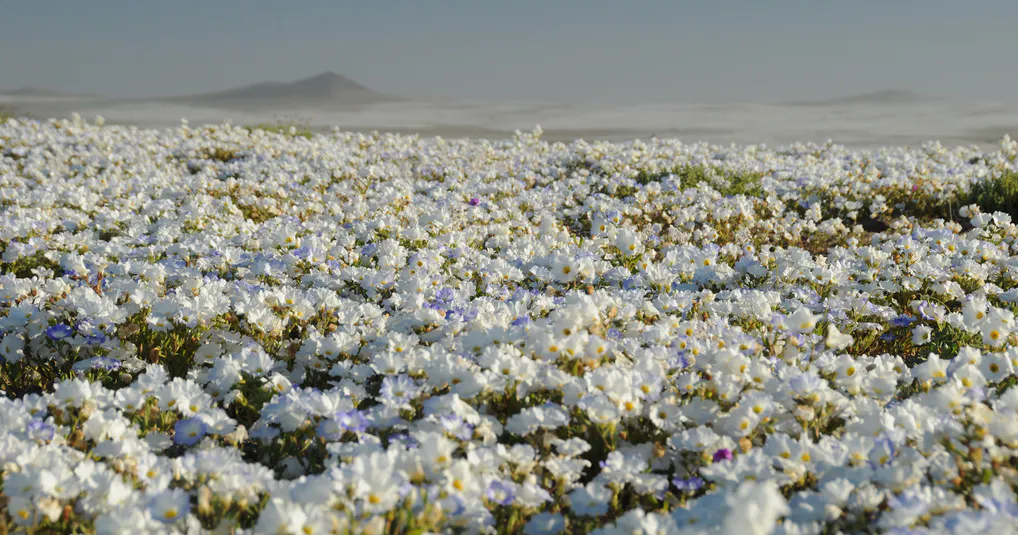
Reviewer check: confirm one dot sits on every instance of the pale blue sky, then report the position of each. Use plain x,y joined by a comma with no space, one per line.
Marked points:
610,51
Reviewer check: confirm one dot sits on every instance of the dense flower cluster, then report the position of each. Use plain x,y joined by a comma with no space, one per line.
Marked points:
237,331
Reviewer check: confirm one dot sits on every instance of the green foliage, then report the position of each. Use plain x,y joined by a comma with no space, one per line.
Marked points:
25,266
219,154
999,194
284,129
725,181
6,114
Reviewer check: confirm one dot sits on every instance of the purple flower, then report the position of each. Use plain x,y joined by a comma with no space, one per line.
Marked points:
723,454
926,310
692,484
444,295
500,493
59,331
902,321
474,201
40,430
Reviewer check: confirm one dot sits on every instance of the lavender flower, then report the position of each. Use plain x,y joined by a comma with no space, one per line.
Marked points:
500,493
691,484
39,430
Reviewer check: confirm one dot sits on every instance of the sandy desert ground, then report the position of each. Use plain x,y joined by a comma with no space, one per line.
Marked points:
329,100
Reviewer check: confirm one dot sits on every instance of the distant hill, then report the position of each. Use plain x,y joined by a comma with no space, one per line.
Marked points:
40,92
324,90
889,97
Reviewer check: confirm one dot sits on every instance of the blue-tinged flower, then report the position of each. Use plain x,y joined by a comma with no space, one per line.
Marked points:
976,394
59,331
545,524
902,321
329,429
405,439
887,337
456,426
500,493
444,295
405,489
353,421
189,432
97,363
95,338
170,506
522,321
692,484
681,360
39,430
107,363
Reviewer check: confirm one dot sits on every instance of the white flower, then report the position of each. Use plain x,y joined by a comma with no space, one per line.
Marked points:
921,335
837,340
802,321
170,506
754,508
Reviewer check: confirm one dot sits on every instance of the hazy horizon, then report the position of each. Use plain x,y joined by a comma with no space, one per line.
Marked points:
736,51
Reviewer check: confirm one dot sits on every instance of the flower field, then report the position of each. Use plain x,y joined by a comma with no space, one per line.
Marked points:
229,330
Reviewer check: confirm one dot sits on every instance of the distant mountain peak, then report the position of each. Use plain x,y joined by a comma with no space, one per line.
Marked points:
328,83
324,89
